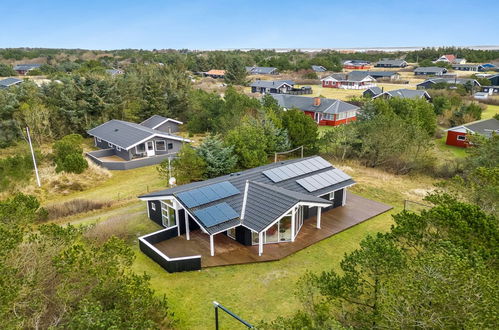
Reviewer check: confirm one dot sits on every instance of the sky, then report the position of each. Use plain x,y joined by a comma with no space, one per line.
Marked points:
224,24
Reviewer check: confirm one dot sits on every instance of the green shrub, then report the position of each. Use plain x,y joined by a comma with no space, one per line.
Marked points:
68,155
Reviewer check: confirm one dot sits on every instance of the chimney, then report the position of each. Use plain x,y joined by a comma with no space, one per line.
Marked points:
317,101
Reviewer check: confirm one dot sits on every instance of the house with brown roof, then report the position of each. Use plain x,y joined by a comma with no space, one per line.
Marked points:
216,74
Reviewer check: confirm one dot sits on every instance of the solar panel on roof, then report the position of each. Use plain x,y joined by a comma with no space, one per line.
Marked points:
293,170
323,180
207,194
216,214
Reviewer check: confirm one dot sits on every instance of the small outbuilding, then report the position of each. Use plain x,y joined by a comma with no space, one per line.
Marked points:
388,63
23,69
458,136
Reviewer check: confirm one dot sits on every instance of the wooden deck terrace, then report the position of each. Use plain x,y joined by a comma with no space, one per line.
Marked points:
229,252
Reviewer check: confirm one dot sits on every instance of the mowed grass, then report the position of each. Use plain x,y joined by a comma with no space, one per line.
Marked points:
490,111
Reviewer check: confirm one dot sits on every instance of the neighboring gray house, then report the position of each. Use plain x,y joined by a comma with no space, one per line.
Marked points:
490,89
373,91
429,83
387,63
469,67
405,94
380,75
319,68
429,71
133,145
328,112
163,124
5,83
272,86
23,69
261,70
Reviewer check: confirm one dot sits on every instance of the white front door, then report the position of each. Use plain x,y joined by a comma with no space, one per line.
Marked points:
150,148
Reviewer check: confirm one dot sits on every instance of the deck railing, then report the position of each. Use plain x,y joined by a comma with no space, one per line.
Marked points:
171,265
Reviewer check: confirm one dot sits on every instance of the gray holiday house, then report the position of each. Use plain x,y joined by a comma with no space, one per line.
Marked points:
125,145
260,214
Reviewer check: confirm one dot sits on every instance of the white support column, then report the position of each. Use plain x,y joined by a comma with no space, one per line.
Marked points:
260,243
319,217
293,228
148,211
187,231
176,205
344,201
212,246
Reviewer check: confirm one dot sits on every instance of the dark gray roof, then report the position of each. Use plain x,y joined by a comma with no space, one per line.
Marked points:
9,82
126,135
359,62
458,81
380,74
430,69
374,90
260,70
276,200
318,68
406,94
467,66
26,67
271,83
156,120
305,103
484,127
392,62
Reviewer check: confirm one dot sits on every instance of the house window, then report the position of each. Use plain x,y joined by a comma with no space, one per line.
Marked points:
160,145
99,140
331,196
153,206
141,148
461,138
170,146
231,232
110,145
168,215
118,148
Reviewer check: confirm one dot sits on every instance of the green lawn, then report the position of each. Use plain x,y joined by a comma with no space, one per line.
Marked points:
448,151
490,111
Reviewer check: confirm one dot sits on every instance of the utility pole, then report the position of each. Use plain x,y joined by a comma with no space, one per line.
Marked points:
33,156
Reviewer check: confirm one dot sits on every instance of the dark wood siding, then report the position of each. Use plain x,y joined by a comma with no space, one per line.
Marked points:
243,235
338,198
155,215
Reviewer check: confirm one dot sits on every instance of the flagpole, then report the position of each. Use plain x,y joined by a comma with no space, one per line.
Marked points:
34,159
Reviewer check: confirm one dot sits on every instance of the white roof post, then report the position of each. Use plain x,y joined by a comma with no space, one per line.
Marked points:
212,246
260,243
319,209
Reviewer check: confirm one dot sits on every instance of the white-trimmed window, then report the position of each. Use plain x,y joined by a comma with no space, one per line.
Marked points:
461,138
331,196
118,148
168,217
141,148
153,206
98,140
160,145
231,232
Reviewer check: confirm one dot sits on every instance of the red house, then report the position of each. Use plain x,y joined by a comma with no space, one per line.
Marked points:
458,136
357,65
325,112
